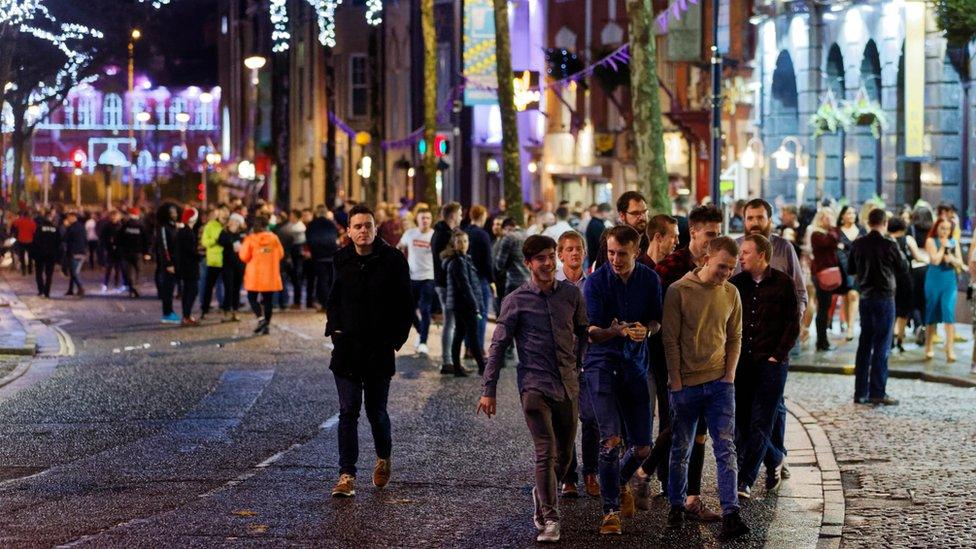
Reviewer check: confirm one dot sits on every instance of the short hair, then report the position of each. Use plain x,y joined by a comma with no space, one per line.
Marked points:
536,244
704,214
659,224
896,225
788,208
260,223
509,222
877,217
477,211
562,213
624,201
603,207
570,235
321,211
759,203
945,207
422,211
723,243
762,243
624,234
450,209
359,209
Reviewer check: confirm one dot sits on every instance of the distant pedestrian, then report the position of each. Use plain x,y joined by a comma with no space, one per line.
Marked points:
294,229
849,229
904,284
702,338
369,313
75,243
451,219
508,258
133,244
23,229
547,321
770,328
416,244
166,217
261,253
479,248
187,262
594,231
230,240
463,298
945,261
91,223
214,255
972,300
321,237
47,251
108,242
875,262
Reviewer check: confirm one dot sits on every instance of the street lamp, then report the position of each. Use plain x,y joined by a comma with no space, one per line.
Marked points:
783,157
749,159
134,36
254,63
143,117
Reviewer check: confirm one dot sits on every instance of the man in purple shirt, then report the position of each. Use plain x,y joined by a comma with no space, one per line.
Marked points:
547,320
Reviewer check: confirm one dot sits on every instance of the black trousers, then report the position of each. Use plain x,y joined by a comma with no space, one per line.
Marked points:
233,278
265,304
297,274
43,272
466,331
167,284
130,271
213,274
318,278
191,283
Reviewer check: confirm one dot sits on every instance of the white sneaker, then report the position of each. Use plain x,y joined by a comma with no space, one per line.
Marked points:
422,349
104,289
550,533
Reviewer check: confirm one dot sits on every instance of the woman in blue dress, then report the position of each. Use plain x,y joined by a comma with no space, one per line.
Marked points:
945,260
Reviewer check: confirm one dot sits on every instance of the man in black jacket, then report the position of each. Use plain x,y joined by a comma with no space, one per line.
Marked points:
451,219
321,237
75,243
875,262
186,258
479,248
370,311
47,249
166,218
132,243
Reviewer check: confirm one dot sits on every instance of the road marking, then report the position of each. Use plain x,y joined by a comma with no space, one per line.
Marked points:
294,332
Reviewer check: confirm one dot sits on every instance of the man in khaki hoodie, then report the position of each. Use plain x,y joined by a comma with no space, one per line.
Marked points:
702,333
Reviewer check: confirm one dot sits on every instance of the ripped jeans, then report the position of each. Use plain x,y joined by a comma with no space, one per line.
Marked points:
622,406
716,399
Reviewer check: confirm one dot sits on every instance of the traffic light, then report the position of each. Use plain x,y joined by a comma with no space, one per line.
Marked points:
78,158
442,145
202,194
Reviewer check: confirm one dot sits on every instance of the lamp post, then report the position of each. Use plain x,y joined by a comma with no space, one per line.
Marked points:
715,156
134,36
255,63
783,157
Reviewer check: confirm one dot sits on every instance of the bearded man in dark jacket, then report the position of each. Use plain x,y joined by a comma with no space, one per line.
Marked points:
370,311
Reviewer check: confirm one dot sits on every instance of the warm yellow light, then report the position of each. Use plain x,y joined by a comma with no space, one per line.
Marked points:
164,157
142,117
206,98
182,117
136,34
524,94
782,158
533,167
748,159
255,62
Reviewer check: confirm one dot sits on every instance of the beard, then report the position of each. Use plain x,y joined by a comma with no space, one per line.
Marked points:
764,230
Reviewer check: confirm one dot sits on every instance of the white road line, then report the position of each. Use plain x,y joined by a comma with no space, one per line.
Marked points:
294,332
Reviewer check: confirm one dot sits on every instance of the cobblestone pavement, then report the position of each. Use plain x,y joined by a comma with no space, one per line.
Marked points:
908,471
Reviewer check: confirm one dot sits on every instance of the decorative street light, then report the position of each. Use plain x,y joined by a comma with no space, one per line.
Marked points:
255,63
134,36
783,157
749,159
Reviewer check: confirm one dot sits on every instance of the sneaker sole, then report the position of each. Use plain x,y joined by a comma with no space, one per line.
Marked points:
382,484
337,494
541,539
610,532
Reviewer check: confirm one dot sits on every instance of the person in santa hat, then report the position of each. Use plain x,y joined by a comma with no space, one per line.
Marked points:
187,262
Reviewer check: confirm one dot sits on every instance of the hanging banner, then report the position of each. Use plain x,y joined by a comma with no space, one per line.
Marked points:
684,32
723,26
914,79
479,53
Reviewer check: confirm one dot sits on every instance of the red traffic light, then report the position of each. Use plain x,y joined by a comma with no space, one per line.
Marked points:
78,158
442,145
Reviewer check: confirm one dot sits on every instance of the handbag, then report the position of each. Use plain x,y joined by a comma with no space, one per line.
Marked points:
829,279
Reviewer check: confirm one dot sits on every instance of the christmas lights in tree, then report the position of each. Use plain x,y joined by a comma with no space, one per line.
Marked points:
325,15
374,12
279,23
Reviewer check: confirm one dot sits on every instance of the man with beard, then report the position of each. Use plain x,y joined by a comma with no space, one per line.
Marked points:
758,220
632,212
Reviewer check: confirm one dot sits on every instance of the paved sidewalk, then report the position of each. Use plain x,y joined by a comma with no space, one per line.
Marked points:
15,338
911,364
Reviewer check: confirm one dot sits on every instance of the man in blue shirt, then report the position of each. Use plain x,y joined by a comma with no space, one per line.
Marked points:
623,303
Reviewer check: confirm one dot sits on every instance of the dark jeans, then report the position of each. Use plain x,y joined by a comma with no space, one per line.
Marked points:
318,277
423,296
552,424
92,253
113,266
466,330
297,274
716,400
352,394
622,407
483,323
43,271
22,251
130,271
871,363
265,304
824,300
233,278
213,274
167,283
74,273
759,390
191,283
589,438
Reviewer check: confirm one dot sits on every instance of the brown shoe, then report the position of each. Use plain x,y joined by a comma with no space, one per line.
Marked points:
627,507
346,487
698,511
381,473
592,485
611,524
569,490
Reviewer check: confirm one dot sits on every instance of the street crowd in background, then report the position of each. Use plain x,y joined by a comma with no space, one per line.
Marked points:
610,313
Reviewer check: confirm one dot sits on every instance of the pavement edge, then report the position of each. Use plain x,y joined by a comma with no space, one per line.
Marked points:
834,507
945,379
43,344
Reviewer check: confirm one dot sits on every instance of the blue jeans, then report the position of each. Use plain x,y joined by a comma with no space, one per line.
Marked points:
483,323
77,262
447,336
589,438
423,296
352,393
716,399
759,390
871,363
622,407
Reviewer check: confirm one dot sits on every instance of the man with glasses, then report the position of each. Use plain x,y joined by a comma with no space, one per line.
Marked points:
632,212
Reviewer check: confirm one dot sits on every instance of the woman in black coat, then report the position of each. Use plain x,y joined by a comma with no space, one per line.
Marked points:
187,262
463,289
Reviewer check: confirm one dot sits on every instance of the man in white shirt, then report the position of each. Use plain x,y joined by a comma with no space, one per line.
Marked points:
416,244
561,225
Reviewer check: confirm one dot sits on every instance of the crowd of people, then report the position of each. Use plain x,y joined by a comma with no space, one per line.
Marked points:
610,321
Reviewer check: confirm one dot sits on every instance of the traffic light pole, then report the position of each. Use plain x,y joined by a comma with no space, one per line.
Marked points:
715,156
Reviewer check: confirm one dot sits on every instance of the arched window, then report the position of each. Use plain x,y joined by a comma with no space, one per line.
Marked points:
112,111
86,109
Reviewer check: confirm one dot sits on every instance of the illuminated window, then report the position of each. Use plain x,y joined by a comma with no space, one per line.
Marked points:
112,111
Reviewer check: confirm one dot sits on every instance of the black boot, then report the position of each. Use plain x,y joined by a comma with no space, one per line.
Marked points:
733,527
